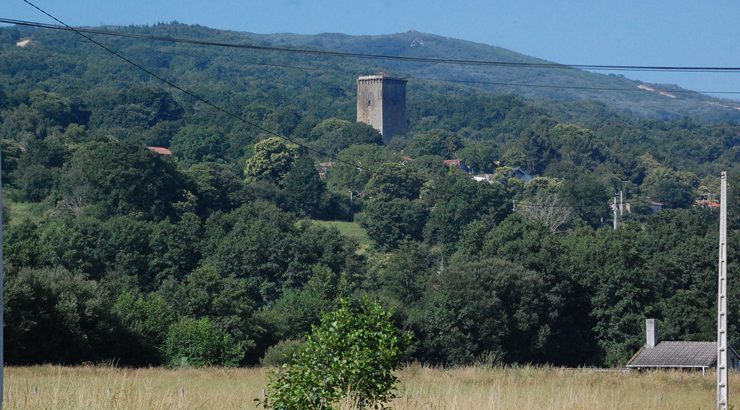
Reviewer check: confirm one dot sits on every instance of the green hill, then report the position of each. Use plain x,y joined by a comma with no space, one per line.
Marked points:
295,72
657,101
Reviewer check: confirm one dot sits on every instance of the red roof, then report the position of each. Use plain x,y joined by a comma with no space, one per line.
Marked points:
450,162
160,150
708,204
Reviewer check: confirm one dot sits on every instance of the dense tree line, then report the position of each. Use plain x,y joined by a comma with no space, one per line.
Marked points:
214,254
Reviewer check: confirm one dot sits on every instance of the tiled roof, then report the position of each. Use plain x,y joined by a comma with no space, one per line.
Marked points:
676,354
160,150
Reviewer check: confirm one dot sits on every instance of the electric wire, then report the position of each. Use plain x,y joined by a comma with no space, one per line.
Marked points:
199,98
594,67
341,54
239,118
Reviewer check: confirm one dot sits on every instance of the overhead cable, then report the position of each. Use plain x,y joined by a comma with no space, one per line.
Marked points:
196,96
433,60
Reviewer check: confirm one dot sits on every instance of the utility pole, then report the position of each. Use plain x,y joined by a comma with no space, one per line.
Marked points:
722,382
615,211
2,301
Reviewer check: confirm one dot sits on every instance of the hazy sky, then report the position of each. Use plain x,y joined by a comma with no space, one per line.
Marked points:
645,32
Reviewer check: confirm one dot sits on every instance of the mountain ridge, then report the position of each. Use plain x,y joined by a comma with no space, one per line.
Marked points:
640,100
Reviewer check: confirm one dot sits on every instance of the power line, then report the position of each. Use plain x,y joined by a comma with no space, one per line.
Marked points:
574,87
239,118
196,96
263,48
594,67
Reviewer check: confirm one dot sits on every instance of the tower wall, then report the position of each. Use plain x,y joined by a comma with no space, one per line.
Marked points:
381,103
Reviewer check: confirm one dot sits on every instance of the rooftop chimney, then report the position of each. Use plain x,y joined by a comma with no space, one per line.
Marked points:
651,332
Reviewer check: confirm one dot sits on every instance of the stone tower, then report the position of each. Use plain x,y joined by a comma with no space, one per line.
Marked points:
381,103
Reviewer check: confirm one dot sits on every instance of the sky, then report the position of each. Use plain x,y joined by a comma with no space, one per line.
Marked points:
626,32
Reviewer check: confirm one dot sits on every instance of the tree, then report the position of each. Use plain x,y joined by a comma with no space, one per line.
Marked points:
437,142
390,221
305,192
541,202
486,307
455,201
354,352
589,196
124,179
392,180
480,157
193,144
54,316
333,135
273,158
578,145
217,186
148,318
672,193
256,243
198,343
356,167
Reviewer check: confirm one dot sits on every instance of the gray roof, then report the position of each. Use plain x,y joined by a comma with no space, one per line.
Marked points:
677,354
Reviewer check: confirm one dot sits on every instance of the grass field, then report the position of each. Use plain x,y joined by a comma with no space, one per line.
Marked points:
52,387
350,229
20,211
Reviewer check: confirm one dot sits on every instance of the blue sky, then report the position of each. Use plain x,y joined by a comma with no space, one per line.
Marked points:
652,32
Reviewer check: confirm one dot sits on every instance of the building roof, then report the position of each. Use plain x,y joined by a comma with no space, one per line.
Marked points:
522,175
160,150
381,76
676,355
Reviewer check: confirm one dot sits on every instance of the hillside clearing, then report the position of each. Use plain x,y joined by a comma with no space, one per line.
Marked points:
43,387
349,229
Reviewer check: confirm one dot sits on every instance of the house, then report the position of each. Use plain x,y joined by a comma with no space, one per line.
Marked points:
457,163
483,177
324,167
160,150
707,203
677,355
655,207
522,175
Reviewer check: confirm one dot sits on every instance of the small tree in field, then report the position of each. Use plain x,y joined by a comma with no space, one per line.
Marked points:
352,352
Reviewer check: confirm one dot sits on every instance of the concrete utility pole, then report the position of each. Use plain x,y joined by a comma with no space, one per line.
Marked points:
2,301
723,394
615,211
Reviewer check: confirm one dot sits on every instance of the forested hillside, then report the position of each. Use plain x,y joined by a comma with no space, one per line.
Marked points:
224,249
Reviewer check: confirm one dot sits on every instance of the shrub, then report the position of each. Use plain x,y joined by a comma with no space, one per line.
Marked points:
282,353
352,352
198,343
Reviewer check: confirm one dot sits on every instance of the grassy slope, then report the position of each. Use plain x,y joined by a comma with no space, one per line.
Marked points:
464,388
350,229
20,211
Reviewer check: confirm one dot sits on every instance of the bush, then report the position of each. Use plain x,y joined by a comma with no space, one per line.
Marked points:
282,353
200,343
352,352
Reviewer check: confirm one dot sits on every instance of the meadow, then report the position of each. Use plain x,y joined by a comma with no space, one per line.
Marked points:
55,387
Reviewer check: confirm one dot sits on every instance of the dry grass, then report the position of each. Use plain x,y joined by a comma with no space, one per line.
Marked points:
52,387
